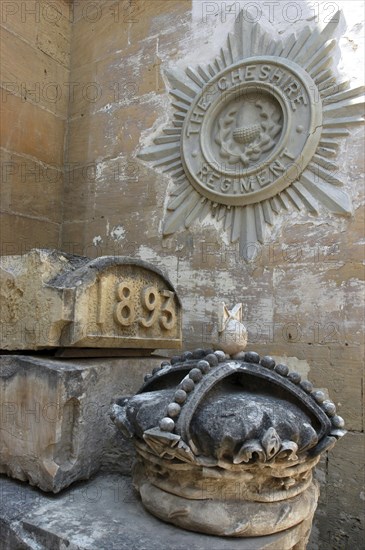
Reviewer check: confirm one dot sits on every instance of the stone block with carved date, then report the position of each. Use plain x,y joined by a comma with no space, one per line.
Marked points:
50,299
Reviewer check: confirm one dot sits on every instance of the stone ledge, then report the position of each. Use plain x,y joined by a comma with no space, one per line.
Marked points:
103,513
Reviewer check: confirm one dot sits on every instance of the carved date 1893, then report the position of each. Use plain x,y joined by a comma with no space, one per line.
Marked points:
154,306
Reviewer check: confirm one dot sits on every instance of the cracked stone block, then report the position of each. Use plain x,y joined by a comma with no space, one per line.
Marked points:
50,299
54,423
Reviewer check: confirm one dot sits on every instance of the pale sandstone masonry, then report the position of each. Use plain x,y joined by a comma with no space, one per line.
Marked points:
104,513
35,73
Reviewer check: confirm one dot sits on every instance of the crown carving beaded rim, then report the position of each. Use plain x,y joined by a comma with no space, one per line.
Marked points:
255,132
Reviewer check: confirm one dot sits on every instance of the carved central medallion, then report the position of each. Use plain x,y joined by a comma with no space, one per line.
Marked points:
247,129
250,130
256,132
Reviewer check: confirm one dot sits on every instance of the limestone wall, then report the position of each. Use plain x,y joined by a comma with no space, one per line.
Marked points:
35,59
302,294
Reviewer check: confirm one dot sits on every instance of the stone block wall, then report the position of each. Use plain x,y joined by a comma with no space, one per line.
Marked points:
35,70
302,294
119,96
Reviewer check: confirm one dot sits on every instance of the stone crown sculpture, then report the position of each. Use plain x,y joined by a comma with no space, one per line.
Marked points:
240,436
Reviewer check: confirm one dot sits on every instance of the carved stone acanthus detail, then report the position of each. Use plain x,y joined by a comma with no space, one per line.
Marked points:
256,131
241,436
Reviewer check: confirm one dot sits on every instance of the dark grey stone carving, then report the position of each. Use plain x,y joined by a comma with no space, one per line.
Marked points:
240,436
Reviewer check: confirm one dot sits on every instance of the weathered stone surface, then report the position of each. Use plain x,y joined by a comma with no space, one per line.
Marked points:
34,74
340,519
231,336
20,198
321,256
54,424
50,299
55,39
105,513
35,61
230,518
254,132
227,446
38,134
19,233
316,361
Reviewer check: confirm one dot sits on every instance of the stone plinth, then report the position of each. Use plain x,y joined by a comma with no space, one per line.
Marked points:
105,513
50,299
54,424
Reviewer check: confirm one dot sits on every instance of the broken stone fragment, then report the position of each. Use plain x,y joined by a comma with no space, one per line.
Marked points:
231,336
54,423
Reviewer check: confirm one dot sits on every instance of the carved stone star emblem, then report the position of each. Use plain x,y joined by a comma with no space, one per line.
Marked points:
256,131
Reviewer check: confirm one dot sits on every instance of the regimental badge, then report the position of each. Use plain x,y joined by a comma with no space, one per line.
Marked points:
255,132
